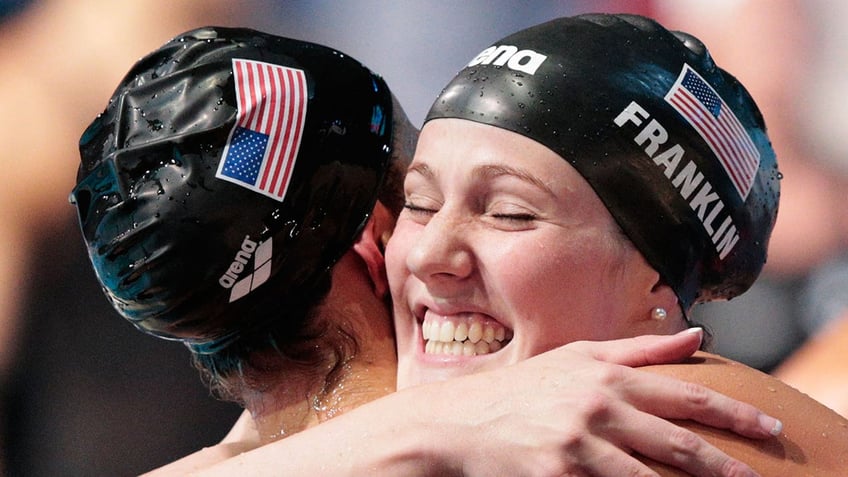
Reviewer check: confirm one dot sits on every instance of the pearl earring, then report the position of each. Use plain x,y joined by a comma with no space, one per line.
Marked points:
659,314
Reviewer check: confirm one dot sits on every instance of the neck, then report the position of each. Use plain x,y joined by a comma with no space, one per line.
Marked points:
360,364
290,406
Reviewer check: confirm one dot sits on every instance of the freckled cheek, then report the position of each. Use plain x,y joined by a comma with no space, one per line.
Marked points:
550,300
522,274
398,275
397,250
545,282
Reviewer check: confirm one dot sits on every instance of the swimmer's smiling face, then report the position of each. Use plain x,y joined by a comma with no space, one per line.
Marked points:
503,251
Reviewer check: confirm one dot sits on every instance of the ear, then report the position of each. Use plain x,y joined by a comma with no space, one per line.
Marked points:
371,246
656,293
663,296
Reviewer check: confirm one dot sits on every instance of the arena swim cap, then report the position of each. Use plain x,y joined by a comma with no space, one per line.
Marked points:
673,145
229,172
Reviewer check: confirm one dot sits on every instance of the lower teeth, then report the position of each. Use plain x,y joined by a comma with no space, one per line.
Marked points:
461,348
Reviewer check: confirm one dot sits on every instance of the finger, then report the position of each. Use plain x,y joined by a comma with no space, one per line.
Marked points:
642,350
678,447
603,459
672,398
624,427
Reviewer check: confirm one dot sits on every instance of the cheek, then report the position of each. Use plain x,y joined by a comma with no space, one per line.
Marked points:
558,292
397,249
540,271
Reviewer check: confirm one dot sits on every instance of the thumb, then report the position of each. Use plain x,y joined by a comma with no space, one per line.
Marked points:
643,350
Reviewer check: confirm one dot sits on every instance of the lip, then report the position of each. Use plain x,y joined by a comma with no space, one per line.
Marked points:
447,308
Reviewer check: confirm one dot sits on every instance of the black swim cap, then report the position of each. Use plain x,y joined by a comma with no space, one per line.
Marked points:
229,172
673,145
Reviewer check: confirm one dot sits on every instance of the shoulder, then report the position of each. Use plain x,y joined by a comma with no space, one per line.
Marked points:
814,440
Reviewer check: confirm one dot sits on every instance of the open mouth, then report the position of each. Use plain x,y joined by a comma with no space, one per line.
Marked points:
463,335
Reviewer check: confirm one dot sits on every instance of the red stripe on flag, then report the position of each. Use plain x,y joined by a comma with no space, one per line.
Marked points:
724,123
241,95
276,104
698,121
257,94
737,131
280,126
271,100
291,135
718,135
300,117
250,93
265,98
283,140
723,132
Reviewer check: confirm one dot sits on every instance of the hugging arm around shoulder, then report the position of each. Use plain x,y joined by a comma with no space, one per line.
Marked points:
463,427
814,439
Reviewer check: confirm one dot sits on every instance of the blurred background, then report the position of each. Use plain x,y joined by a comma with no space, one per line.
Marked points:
83,393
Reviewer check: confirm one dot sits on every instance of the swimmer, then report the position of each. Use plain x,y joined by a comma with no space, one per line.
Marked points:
276,283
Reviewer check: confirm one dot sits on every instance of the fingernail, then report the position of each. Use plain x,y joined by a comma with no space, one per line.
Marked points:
772,425
696,330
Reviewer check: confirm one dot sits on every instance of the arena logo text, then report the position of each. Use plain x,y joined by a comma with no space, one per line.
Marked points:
260,252
526,61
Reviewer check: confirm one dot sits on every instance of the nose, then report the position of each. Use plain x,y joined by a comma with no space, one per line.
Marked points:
441,252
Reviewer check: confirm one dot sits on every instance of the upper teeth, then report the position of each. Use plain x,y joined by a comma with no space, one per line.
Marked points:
448,331
468,337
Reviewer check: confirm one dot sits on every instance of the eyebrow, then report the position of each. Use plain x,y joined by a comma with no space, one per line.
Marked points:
488,172
422,169
493,171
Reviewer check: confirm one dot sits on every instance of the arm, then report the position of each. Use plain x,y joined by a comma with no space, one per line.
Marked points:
243,437
564,411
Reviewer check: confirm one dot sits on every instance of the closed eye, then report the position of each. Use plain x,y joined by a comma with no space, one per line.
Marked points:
515,217
418,210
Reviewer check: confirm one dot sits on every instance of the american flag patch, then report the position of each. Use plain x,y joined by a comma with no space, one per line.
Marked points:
704,109
262,147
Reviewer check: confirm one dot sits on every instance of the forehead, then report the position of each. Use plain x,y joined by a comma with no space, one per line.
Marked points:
457,156
443,135
481,152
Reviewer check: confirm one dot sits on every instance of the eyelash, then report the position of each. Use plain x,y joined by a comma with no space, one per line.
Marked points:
416,209
515,217
523,217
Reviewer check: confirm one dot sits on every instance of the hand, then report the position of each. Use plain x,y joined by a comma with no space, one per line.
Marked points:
581,409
